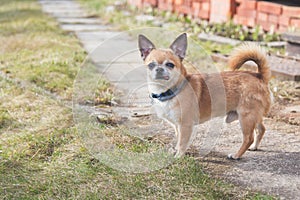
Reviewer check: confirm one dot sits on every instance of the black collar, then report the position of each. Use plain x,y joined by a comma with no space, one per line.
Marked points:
170,93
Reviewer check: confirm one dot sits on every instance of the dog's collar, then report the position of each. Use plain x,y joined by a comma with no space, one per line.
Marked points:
170,93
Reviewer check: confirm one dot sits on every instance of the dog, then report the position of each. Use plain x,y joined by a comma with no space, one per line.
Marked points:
185,100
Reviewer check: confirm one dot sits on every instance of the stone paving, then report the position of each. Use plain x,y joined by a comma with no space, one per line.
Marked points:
118,60
114,53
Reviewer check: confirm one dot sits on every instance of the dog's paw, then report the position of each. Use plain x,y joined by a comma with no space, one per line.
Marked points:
231,157
252,149
172,150
178,154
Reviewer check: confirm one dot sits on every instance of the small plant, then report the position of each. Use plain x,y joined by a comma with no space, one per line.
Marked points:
104,93
5,119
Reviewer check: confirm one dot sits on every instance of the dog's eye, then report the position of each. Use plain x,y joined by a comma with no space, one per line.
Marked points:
151,65
171,65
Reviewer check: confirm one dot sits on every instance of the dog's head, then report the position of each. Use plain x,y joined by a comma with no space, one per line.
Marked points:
164,65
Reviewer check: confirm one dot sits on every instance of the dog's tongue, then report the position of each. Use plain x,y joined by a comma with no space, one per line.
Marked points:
166,77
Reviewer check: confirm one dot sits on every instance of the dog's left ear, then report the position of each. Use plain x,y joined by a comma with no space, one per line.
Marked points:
179,46
145,46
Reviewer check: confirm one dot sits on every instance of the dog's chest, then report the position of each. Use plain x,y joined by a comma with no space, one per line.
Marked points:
166,110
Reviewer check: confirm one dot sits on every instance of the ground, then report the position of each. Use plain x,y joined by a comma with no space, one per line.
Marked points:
274,167
42,155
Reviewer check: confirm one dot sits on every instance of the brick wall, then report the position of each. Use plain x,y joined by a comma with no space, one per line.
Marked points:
267,14
271,16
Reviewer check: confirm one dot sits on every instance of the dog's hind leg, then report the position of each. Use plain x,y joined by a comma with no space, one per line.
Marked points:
247,123
259,133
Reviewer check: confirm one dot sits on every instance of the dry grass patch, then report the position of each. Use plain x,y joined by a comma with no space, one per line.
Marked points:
35,49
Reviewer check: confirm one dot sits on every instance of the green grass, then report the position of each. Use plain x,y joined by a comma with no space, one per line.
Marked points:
50,58
41,153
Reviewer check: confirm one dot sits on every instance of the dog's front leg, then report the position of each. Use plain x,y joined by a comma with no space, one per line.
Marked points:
183,139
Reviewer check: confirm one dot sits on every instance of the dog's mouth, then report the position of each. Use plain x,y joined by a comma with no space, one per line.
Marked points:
162,78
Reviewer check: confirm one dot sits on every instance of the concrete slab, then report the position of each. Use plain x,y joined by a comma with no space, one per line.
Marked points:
82,27
123,72
105,41
58,7
218,39
286,69
115,55
117,72
62,10
76,20
116,51
131,79
97,36
58,2
59,15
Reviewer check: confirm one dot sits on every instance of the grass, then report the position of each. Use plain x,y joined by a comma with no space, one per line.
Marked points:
51,58
41,153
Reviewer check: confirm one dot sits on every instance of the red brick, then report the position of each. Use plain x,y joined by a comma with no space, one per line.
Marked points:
205,6
178,2
268,7
295,22
250,22
201,9
246,13
170,2
238,19
198,11
185,2
196,5
267,25
291,11
221,10
137,3
183,7
282,28
204,14
166,5
273,19
262,16
196,8
284,20
151,2
248,4
264,25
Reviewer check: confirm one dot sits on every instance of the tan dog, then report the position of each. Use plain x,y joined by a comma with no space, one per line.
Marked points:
185,100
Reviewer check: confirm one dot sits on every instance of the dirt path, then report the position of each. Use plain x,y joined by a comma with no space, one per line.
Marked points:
274,168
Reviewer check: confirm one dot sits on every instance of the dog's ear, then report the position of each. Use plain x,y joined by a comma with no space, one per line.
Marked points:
145,46
179,46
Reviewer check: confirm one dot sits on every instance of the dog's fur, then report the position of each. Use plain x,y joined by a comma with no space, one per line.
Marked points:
241,95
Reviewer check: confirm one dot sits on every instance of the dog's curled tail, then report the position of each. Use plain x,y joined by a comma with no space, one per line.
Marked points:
253,52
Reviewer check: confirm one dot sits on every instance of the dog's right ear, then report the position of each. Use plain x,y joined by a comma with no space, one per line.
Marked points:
145,46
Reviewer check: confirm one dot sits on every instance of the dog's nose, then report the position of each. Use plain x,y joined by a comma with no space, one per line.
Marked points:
159,69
